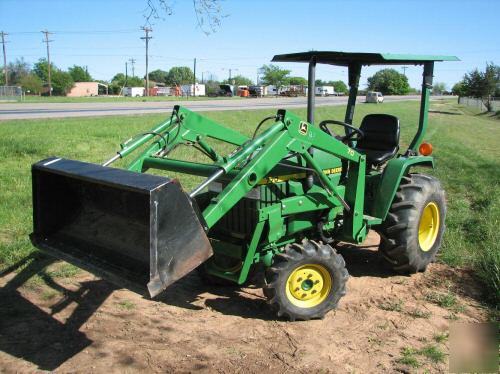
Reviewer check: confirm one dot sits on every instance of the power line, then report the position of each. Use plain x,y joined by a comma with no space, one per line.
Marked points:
47,41
86,32
147,30
5,59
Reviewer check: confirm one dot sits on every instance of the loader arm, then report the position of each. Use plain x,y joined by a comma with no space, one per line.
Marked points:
290,134
187,126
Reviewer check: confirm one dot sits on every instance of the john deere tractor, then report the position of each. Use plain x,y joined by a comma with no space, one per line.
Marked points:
282,199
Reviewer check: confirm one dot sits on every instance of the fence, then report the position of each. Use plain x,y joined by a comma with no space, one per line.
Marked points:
11,93
478,103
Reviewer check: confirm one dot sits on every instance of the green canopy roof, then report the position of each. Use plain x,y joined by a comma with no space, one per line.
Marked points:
346,58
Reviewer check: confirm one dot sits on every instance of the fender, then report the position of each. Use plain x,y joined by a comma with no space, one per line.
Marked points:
391,177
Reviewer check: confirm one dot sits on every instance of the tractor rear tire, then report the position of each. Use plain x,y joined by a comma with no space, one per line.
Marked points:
412,233
305,281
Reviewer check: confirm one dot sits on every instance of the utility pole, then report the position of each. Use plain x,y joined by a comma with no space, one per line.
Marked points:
404,69
126,72
47,41
147,30
132,62
5,58
230,71
194,77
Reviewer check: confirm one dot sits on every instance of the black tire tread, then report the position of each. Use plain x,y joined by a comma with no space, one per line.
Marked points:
398,233
295,254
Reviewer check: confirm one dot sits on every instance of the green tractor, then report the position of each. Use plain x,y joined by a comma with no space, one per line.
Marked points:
282,200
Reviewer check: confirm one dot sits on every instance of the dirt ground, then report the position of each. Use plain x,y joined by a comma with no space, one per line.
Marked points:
79,323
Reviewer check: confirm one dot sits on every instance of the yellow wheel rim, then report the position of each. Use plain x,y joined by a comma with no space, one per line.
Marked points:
428,228
308,285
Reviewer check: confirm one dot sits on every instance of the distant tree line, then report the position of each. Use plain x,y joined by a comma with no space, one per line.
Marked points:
34,79
480,84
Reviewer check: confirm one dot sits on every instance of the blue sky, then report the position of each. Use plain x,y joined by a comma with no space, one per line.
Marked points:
104,34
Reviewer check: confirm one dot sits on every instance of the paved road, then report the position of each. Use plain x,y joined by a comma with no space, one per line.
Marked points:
59,110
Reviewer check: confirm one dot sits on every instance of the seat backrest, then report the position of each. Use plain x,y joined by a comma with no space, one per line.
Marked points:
381,132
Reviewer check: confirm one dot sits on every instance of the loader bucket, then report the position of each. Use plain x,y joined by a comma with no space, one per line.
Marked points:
138,230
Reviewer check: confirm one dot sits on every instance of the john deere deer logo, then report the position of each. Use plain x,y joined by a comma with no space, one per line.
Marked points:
303,128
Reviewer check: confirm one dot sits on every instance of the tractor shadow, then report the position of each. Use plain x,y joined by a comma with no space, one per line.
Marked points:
364,261
245,301
248,301
33,334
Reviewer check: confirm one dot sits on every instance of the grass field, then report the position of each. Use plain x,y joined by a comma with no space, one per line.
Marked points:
465,148
112,99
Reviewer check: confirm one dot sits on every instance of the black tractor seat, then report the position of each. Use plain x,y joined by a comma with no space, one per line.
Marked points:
381,138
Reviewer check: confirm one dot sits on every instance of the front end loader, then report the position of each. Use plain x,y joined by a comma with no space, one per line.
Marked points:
281,199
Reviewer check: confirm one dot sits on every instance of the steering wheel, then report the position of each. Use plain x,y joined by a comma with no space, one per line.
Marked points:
346,138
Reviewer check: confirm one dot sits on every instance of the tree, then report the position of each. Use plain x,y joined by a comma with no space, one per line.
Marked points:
79,74
62,82
438,88
31,84
458,89
239,80
211,87
339,86
159,76
297,81
41,69
17,71
208,13
118,81
482,84
389,82
180,75
274,75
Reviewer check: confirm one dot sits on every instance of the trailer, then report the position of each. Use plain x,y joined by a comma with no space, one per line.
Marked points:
193,89
325,91
133,91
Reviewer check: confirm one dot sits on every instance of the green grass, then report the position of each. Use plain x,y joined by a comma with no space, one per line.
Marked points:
445,300
126,305
430,352
465,148
64,270
440,338
408,358
392,305
433,353
418,313
108,99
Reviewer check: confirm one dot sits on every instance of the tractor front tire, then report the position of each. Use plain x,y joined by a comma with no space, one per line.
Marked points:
306,281
412,233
